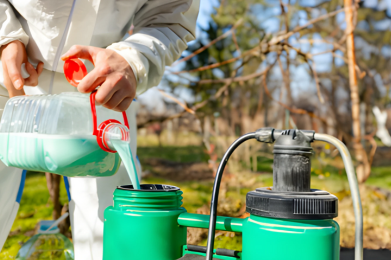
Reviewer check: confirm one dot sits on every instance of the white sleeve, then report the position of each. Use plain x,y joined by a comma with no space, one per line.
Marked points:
10,27
162,29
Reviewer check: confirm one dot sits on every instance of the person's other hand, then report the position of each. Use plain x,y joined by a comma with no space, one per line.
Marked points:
112,73
13,55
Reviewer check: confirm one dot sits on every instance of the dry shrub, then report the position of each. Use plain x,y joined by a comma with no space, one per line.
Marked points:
196,235
376,205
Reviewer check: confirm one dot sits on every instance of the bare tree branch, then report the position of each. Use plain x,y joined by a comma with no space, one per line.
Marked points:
218,64
176,101
221,90
226,34
292,110
336,46
313,70
373,144
235,40
279,38
236,79
212,66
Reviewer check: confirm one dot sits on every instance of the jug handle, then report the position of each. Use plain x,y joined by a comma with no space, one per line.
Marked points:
97,131
94,118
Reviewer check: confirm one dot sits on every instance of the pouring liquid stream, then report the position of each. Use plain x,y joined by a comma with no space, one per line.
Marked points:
124,151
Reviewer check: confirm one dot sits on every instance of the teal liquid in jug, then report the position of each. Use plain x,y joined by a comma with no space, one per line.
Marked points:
62,154
66,155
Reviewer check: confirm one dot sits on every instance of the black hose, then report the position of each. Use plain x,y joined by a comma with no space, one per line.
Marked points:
216,189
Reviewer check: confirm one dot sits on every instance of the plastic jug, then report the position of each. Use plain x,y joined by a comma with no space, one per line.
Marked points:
47,245
64,134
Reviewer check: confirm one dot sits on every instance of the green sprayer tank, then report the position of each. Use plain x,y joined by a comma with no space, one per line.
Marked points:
288,221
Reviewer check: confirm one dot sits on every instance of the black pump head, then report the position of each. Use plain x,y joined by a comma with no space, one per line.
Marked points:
291,195
293,142
292,165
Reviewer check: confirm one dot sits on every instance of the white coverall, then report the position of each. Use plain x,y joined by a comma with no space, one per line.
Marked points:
48,28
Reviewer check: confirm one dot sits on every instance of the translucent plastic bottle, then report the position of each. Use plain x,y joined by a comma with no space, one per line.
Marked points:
47,245
64,134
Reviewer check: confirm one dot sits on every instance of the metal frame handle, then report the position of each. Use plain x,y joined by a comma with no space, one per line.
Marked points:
355,192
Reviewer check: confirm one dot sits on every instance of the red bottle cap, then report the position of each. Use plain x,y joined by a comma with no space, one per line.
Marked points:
74,71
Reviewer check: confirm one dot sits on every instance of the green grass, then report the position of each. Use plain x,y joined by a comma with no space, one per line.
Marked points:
380,177
227,242
34,207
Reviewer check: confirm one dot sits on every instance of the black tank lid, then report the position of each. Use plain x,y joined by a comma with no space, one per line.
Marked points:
316,204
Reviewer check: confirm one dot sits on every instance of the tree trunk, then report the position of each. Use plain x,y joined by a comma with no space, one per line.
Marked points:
53,183
363,168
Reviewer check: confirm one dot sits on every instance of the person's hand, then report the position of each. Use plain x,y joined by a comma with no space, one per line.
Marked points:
13,55
112,73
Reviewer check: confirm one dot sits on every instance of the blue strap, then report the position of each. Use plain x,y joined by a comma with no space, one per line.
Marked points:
66,182
21,186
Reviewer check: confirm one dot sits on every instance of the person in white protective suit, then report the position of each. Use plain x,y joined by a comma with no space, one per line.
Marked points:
44,33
